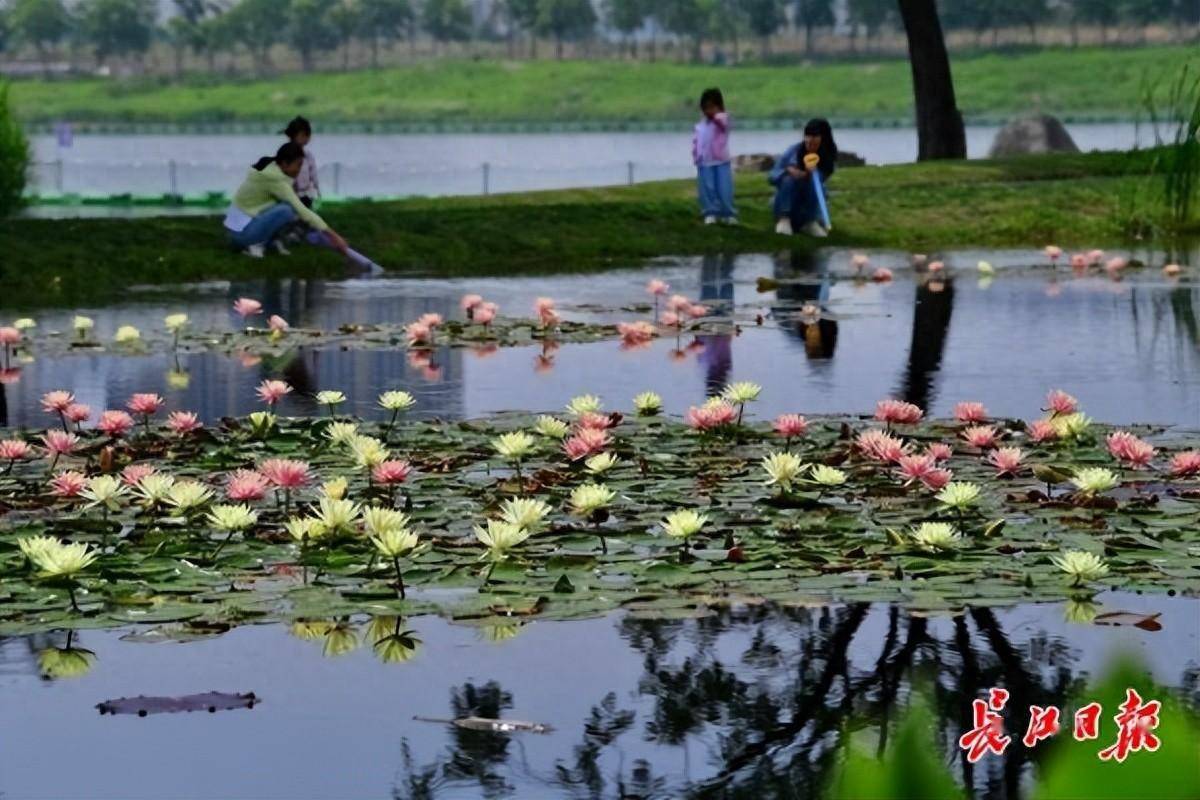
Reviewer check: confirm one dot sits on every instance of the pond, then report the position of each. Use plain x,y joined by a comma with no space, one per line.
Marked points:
736,676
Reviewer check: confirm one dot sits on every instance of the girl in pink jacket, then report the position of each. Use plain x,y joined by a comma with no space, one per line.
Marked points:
710,153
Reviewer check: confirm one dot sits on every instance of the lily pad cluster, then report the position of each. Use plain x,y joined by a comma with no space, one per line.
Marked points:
582,511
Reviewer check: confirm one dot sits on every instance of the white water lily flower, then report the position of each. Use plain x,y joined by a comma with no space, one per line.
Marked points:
1071,426
827,476
684,523
396,401
175,322
936,537
782,469
55,559
335,489
24,324
590,498
601,463
232,518
551,427
330,397
514,445
301,528
341,434
83,325
742,392
368,452
154,488
959,495
104,490
647,404
1094,480
1081,566
395,542
526,512
499,536
377,519
32,547
338,516
261,422
584,404
985,268
127,334
187,496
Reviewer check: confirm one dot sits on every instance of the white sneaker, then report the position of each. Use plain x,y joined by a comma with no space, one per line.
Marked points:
280,248
710,220
784,227
254,251
731,221
814,229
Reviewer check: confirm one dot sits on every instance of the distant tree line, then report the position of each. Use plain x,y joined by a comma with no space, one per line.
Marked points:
332,32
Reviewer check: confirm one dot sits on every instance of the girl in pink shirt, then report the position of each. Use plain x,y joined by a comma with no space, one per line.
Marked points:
710,153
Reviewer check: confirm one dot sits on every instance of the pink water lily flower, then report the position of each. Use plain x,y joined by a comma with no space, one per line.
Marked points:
247,307
77,413
790,426
882,446
711,416
1171,270
485,313
916,467
898,412
145,403
1185,464
549,318
1054,253
418,333
881,275
183,422
635,332
940,451
246,485
1129,449
1042,430
670,319
1079,262
114,423
970,412
657,287
286,473
59,443
678,303
9,336
1061,403
1006,460
133,474
697,311
271,392
1094,257
1116,264
470,301
981,436
859,260
431,319
391,472
936,480
586,442
543,304
68,484
14,450
56,402
594,420
277,324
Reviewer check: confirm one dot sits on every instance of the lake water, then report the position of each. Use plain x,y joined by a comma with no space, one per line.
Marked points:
452,164
1129,349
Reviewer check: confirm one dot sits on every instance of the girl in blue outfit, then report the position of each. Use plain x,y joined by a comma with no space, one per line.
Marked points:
710,153
795,203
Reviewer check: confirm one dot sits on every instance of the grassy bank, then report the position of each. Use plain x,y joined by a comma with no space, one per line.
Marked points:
1078,81
1071,200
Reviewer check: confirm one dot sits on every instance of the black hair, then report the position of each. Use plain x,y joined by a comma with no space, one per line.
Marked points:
287,153
819,126
296,127
712,95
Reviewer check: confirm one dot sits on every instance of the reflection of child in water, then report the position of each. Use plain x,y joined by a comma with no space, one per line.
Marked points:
820,337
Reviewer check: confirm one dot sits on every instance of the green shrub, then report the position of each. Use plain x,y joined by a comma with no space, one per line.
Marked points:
14,158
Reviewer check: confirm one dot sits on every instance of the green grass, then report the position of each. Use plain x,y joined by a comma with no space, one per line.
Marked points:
1072,200
1061,81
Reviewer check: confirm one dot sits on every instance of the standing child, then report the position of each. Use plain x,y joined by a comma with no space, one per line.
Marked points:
710,152
299,131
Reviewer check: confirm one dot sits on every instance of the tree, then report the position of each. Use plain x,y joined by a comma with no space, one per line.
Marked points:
626,17
523,14
258,25
1026,13
1098,12
447,20
14,158
345,20
119,27
870,15
565,20
1144,13
813,14
940,132
309,29
42,24
977,16
690,19
384,21
764,18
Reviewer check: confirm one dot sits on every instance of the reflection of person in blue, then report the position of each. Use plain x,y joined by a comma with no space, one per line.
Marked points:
716,292
803,281
795,204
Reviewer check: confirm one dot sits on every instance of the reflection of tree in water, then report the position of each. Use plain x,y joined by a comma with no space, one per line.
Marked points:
771,712
931,323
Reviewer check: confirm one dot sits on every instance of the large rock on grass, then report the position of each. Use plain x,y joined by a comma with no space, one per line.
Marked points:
1038,133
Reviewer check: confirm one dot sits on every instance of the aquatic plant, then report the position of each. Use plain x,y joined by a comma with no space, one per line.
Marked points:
1080,566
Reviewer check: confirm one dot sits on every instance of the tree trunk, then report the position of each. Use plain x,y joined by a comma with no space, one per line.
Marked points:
374,52
558,48
940,131
178,62
532,46
808,33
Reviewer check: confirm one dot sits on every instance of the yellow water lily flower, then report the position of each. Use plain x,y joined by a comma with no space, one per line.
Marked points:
232,518
338,516
1094,480
396,649
827,476
394,542
1080,566
1071,426
936,537
178,379
959,495
83,326
339,641
525,512
514,445
304,528
330,397
32,547
335,489
647,404
309,630
684,523
742,392
368,452
341,434
175,322
127,334
601,463
261,422
377,519
783,469
59,560
396,401
186,496
551,427
104,490
24,324
584,404
56,663
589,498
499,537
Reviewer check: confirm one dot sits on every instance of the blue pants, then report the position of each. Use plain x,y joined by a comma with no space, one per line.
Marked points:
796,199
265,227
714,188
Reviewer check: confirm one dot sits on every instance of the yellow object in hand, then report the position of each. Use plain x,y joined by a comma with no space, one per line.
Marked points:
811,160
